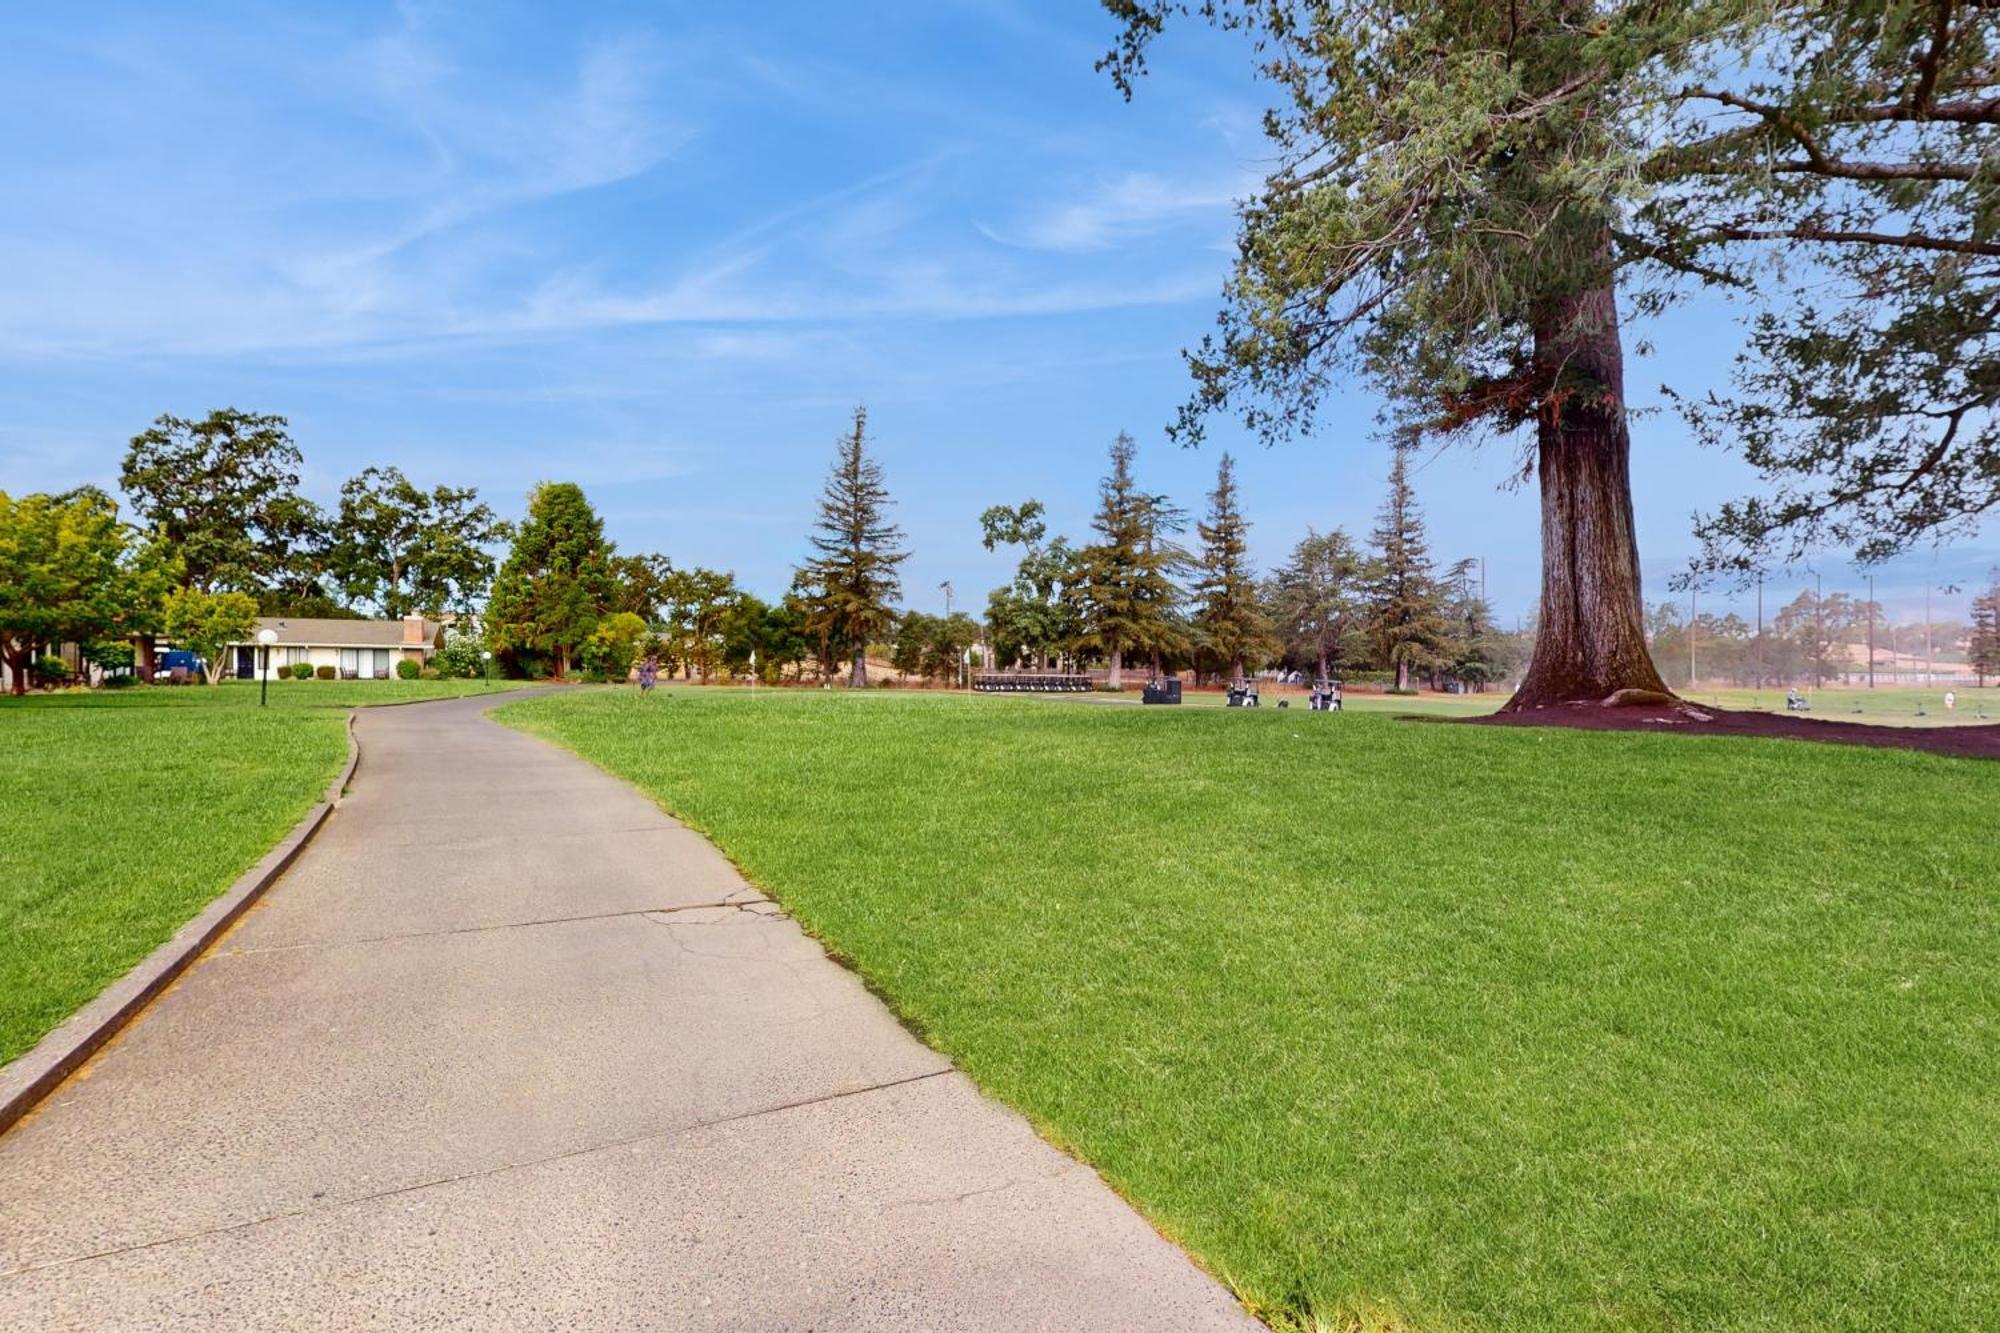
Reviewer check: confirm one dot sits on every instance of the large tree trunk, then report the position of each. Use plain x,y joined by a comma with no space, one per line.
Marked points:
859,678
1116,680
1402,675
1591,639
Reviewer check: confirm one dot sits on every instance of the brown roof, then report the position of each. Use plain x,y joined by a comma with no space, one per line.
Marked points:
305,632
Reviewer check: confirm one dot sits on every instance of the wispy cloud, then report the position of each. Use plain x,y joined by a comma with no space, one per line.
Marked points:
1132,204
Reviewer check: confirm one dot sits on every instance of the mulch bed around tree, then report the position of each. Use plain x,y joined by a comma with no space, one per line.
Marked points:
1979,741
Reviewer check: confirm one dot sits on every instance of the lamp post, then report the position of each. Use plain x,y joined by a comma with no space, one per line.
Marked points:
487,658
265,638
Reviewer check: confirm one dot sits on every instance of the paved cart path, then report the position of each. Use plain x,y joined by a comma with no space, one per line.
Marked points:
509,1047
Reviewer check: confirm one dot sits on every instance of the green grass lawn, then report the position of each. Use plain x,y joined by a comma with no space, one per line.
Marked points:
123,813
1473,1028
1890,705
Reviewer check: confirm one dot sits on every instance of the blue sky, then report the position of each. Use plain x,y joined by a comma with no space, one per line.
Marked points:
663,249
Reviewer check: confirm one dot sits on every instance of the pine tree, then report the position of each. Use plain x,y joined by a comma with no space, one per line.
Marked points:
1313,598
557,581
1228,609
853,577
1985,646
1125,592
1474,654
1406,614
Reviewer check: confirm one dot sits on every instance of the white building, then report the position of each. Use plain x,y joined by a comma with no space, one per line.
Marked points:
355,649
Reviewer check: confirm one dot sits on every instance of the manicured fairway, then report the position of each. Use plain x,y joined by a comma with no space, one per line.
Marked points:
123,813
1889,705
1468,1027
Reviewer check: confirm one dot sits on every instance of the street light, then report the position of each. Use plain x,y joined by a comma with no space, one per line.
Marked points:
265,638
487,657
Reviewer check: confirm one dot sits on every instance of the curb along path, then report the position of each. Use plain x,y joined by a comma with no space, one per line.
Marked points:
507,1046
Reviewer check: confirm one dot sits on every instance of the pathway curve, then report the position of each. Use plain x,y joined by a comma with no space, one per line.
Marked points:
509,1047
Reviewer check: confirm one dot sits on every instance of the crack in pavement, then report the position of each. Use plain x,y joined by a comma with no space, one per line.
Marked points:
746,907
482,1173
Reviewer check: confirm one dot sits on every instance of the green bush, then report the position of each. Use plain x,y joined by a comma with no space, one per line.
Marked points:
326,673
301,670
407,670
429,673
460,656
50,671
120,682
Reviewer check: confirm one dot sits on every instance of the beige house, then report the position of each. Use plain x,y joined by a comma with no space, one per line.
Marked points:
356,649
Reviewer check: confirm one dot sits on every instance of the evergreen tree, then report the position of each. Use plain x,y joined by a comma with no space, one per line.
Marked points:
853,577
1228,610
1124,592
556,583
1406,614
1314,599
1162,520
1474,653
1984,648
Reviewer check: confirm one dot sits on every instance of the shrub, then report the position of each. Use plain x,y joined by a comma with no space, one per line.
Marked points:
407,670
49,671
460,656
429,673
120,682
326,673
301,670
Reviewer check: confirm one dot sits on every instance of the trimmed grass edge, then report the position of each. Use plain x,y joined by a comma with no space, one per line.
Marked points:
39,1071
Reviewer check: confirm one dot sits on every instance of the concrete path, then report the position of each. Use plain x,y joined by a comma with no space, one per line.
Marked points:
508,1047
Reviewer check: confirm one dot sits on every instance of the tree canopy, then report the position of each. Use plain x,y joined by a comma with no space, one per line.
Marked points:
70,571
402,548
222,490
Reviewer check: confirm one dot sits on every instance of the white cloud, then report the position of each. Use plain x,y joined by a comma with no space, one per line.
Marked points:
1125,206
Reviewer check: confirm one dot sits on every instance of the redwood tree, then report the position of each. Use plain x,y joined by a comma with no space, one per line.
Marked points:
1463,188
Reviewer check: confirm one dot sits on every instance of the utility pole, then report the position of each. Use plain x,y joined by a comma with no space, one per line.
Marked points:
1690,637
946,585
1819,631
1871,631
1760,630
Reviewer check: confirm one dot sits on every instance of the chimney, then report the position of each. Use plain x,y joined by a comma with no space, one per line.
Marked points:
413,631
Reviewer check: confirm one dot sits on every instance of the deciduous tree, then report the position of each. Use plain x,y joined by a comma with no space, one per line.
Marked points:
223,491
70,571
206,623
402,548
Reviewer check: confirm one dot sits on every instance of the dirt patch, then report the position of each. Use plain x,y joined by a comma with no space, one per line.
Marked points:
1973,742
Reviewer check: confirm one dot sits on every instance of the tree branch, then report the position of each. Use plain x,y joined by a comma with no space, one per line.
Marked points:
1904,242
